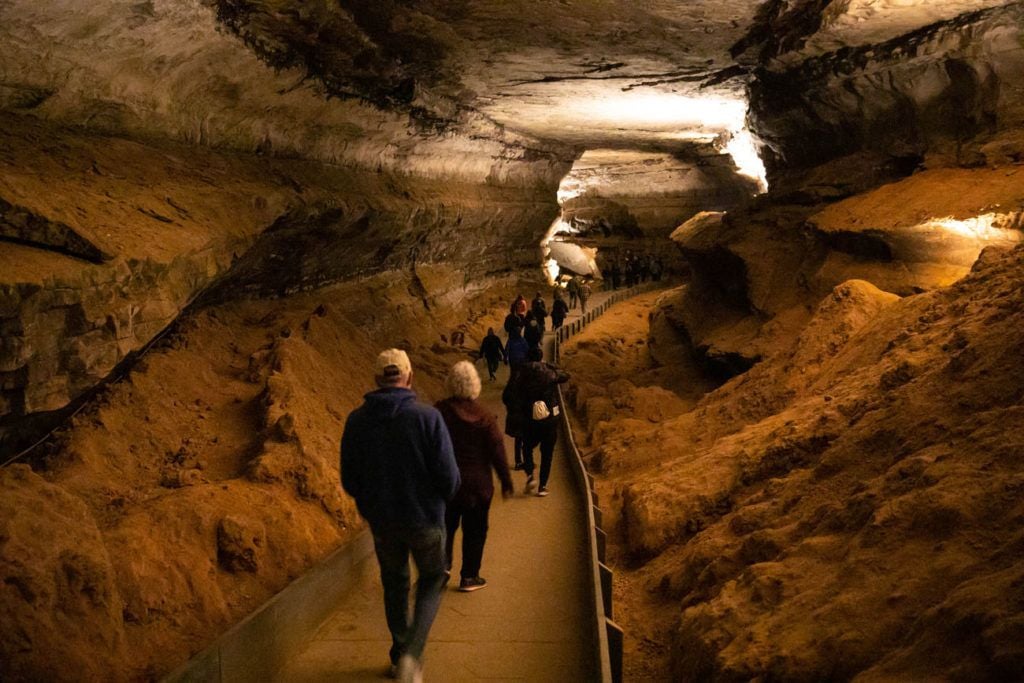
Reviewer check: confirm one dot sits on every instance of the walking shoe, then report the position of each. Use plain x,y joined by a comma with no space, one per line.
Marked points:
543,491
473,583
518,466
531,485
409,670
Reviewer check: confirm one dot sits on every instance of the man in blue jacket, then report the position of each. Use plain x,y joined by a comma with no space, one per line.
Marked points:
397,462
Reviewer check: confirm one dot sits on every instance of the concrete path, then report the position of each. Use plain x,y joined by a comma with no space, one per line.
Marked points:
531,623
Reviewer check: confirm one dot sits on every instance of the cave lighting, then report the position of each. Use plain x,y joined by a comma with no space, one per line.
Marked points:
711,120
552,270
744,154
567,191
982,228
668,112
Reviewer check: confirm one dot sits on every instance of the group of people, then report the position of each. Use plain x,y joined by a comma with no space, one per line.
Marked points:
524,327
579,292
634,269
418,473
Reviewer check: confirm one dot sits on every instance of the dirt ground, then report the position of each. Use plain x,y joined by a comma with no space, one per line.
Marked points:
851,507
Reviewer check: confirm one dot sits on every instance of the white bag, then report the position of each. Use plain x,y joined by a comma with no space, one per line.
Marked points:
540,410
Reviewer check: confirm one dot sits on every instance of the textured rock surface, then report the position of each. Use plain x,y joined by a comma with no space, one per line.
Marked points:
370,168
221,446
164,232
657,191
845,509
939,93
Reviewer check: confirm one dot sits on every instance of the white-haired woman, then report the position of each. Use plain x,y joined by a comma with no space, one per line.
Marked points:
479,449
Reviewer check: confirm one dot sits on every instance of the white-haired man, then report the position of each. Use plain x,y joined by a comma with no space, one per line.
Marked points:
397,462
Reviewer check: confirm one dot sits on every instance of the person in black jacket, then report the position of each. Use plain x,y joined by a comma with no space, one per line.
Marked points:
537,382
514,324
533,332
540,311
493,351
559,310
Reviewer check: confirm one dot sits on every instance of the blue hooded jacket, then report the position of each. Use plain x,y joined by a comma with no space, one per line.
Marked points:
397,461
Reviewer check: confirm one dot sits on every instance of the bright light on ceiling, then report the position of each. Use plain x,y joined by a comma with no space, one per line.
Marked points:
714,120
663,111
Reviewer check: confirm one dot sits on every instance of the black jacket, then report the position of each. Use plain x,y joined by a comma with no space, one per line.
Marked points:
492,348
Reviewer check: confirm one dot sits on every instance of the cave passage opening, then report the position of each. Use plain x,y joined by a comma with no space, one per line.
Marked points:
657,159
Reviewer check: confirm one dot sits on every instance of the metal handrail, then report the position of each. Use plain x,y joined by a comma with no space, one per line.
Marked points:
607,632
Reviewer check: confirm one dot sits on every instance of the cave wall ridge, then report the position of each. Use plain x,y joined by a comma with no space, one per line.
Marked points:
934,96
163,68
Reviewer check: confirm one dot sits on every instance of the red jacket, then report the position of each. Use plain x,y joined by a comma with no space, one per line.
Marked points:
479,448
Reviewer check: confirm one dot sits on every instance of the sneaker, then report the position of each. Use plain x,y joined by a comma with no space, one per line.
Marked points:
473,583
543,491
409,670
518,467
531,485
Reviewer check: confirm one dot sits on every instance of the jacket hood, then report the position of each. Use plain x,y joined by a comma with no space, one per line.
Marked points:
388,401
466,409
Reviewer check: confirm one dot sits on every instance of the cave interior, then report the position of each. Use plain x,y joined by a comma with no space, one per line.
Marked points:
811,435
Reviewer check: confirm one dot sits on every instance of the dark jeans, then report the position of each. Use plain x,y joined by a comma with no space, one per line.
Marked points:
427,549
474,535
517,450
543,433
492,366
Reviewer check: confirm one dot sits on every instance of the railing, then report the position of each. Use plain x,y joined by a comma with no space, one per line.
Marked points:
607,633
259,646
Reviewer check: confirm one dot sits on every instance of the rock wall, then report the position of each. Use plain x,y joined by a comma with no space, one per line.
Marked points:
658,191
758,273
221,445
934,95
111,239
847,509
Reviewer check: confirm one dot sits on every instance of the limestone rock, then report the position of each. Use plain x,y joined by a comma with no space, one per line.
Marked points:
241,543
60,594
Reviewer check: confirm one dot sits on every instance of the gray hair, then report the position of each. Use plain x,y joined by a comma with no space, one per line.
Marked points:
463,380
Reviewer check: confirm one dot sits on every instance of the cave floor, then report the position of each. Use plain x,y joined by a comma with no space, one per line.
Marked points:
531,622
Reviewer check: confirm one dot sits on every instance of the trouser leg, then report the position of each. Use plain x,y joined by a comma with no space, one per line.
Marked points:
452,518
528,446
547,450
474,536
428,554
517,449
393,557
492,366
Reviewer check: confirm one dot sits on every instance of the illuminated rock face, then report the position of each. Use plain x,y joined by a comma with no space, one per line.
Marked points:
657,190
377,170
935,96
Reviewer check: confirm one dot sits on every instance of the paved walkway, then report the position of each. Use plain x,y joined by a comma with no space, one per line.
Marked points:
531,623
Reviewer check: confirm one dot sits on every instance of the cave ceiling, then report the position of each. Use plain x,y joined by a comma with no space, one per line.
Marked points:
660,75
642,74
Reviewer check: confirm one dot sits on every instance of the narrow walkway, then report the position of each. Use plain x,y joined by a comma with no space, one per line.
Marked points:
531,622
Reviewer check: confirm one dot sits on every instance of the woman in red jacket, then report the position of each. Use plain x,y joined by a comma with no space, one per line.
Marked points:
479,448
